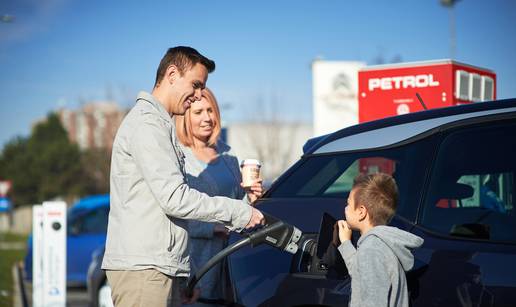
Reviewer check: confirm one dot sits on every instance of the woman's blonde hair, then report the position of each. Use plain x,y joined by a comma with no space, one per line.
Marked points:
184,123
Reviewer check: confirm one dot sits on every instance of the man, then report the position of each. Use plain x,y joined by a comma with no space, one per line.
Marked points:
146,257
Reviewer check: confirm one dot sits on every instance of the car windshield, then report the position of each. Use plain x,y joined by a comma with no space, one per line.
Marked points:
88,221
73,213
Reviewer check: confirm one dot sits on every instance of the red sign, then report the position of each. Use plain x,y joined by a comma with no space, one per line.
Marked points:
389,90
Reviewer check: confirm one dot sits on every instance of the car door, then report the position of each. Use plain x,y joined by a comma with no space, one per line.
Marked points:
320,184
468,219
86,232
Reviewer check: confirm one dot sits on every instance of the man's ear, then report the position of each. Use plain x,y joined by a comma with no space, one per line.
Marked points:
171,74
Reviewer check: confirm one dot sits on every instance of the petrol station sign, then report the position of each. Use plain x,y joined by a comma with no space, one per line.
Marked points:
389,90
392,89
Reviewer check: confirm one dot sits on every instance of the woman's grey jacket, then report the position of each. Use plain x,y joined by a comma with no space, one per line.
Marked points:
150,199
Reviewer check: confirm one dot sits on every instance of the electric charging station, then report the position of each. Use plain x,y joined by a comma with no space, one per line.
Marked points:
49,254
37,256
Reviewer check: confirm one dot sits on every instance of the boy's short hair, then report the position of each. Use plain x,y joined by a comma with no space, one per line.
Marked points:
183,58
379,194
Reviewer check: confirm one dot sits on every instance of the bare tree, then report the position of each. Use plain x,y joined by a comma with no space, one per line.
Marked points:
272,137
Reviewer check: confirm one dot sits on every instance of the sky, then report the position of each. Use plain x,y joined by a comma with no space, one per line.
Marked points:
63,53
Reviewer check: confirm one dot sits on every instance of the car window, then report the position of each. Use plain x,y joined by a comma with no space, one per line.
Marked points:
331,175
92,222
344,182
471,193
369,165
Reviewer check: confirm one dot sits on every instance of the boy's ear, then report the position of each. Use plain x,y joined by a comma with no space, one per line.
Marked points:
362,212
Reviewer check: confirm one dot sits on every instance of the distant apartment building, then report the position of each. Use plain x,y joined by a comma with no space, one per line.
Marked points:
94,125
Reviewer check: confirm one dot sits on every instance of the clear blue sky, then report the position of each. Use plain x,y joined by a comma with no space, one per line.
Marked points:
59,52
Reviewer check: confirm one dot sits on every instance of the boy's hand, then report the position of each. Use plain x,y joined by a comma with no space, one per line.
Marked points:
344,231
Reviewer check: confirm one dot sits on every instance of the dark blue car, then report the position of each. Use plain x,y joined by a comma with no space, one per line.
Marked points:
87,227
456,172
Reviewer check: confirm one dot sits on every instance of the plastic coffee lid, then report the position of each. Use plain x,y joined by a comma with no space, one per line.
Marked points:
250,162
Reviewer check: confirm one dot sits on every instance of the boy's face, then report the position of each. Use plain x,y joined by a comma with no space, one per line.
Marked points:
355,213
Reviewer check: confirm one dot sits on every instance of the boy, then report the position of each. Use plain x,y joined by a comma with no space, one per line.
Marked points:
377,267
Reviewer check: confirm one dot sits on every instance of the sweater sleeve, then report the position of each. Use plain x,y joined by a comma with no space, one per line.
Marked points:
151,150
348,252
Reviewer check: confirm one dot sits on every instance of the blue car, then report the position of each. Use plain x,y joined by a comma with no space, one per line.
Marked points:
86,231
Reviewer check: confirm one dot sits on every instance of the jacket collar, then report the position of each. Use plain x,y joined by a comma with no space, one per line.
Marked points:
146,97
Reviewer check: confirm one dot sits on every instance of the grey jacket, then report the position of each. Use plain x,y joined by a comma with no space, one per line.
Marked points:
377,267
150,200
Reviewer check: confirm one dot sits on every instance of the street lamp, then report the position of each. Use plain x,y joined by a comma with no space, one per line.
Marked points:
450,5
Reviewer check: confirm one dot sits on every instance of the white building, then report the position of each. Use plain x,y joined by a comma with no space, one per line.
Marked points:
335,95
276,144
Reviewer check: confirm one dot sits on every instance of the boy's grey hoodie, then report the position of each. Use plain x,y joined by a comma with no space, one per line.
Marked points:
377,267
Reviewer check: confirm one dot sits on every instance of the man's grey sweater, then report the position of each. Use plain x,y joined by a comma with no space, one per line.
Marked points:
377,267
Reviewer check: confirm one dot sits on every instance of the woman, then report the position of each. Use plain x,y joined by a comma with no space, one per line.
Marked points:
210,168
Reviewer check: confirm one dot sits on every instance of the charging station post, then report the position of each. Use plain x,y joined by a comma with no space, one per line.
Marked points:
49,254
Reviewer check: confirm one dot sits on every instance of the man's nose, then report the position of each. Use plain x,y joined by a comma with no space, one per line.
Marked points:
198,94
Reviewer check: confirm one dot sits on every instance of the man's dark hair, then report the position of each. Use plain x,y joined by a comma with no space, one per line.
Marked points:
183,58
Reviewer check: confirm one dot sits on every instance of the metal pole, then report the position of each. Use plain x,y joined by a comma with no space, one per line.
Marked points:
452,32
450,4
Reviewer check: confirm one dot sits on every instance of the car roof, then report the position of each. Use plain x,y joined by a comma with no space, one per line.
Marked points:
92,202
392,130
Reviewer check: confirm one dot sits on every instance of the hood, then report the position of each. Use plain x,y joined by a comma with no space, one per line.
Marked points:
399,241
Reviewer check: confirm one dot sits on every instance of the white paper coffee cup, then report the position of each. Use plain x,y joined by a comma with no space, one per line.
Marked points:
250,169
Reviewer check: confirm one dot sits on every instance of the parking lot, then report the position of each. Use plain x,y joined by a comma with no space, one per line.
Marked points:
75,297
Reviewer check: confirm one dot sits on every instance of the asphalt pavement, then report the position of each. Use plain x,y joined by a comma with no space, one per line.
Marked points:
75,297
